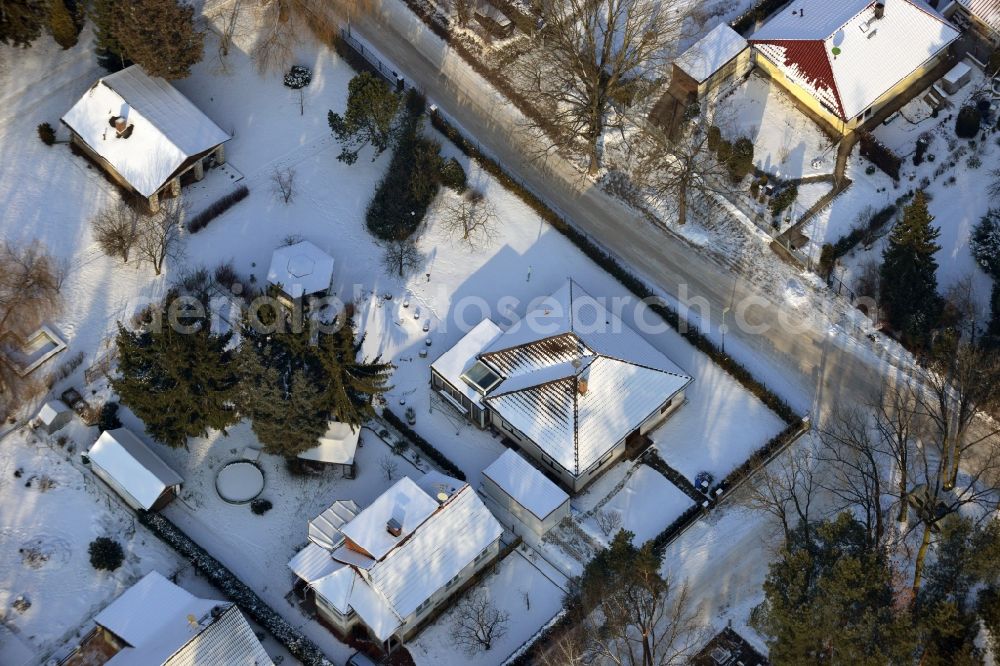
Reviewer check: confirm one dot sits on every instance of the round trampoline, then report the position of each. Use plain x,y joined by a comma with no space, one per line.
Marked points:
239,481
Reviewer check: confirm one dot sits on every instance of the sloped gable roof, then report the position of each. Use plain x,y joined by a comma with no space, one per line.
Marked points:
133,465
987,11
847,57
167,128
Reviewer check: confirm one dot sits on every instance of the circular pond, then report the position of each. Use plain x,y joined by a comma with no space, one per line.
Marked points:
239,481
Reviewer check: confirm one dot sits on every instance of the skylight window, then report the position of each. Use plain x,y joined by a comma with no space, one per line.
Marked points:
481,377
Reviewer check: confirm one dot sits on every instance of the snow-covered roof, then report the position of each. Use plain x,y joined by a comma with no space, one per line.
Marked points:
127,460
313,563
324,529
440,548
51,411
405,502
429,553
987,11
526,485
577,380
452,364
711,52
167,129
165,624
831,48
337,446
301,269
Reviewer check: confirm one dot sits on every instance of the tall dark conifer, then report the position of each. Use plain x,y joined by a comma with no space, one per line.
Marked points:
21,21
909,273
181,384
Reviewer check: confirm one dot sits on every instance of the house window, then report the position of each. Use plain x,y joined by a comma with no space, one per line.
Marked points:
481,555
422,607
451,582
665,407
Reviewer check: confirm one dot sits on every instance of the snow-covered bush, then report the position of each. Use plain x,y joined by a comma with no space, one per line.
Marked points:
985,243
261,506
974,162
967,123
105,553
453,175
298,76
46,134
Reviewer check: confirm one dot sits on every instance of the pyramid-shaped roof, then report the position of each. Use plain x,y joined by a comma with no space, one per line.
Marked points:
577,380
845,55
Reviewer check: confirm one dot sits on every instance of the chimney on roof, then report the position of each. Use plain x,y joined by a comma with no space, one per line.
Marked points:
393,527
120,125
879,9
582,382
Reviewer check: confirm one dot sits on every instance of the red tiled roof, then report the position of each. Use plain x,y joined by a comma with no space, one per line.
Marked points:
810,58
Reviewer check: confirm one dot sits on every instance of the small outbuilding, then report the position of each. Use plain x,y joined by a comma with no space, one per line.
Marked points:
53,416
337,447
133,471
525,493
720,56
300,270
144,133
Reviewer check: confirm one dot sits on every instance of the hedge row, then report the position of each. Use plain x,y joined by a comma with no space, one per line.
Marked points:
848,241
301,647
760,11
880,155
701,342
761,455
214,210
653,459
441,459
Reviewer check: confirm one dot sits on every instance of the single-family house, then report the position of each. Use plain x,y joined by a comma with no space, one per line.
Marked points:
157,623
846,60
525,494
388,567
570,384
336,447
144,133
125,463
53,415
300,270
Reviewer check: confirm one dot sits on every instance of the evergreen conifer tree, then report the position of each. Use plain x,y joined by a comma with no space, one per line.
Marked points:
295,381
830,600
909,273
159,35
180,383
370,118
21,21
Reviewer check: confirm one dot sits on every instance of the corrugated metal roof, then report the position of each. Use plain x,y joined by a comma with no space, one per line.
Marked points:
525,484
627,378
228,641
987,11
312,563
801,41
167,127
324,529
133,465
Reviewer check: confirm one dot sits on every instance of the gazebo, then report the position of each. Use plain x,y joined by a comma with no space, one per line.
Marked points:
300,270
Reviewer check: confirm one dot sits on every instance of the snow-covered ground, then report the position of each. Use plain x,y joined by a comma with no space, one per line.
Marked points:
516,587
50,511
787,143
646,504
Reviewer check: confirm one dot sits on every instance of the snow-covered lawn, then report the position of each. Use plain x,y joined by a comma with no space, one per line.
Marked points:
50,511
787,143
517,588
647,504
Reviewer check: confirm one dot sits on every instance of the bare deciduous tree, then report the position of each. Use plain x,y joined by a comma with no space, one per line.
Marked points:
116,228
897,425
682,170
229,21
388,467
478,623
283,183
160,233
29,293
786,489
609,520
858,466
570,648
400,256
471,218
593,56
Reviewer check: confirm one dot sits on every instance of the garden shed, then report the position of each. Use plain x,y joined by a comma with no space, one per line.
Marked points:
53,416
720,56
133,471
336,447
525,493
144,133
299,270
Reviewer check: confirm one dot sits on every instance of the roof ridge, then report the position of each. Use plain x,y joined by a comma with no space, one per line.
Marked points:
530,387
132,106
643,365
